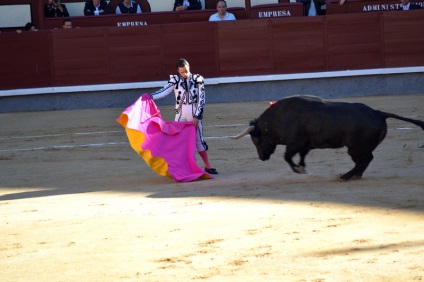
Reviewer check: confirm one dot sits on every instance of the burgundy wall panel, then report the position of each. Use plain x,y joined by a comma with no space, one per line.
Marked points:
404,38
25,60
194,42
298,45
80,56
135,54
354,42
244,47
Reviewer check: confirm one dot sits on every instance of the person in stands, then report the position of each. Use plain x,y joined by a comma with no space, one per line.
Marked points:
183,5
128,7
313,7
406,5
28,27
222,14
54,9
96,8
67,23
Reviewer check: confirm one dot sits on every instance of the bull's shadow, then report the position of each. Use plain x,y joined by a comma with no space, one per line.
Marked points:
369,191
392,181
378,189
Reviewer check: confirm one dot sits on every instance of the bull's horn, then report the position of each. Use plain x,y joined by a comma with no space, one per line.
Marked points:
245,132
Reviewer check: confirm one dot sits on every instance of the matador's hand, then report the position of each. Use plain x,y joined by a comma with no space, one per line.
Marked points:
195,121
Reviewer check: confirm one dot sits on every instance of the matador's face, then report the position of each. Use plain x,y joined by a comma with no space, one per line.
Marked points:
184,71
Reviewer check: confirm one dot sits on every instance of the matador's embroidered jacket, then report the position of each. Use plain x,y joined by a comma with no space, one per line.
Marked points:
189,91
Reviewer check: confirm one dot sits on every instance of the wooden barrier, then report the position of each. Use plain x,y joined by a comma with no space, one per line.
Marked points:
26,60
102,55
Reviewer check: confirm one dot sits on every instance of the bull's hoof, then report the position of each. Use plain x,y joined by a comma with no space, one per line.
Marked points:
341,179
299,169
356,177
346,177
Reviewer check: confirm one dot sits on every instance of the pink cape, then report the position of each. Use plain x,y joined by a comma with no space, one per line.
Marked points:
168,147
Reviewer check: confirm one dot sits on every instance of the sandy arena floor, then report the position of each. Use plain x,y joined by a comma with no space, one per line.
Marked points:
77,204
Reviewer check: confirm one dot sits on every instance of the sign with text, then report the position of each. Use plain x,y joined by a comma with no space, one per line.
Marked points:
277,10
366,6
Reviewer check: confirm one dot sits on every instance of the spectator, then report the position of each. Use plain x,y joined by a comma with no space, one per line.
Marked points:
182,5
67,23
406,5
55,9
189,90
222,14
96,8
315,9
28,27
128,7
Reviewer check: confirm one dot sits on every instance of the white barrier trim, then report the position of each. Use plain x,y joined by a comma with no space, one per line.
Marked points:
209,81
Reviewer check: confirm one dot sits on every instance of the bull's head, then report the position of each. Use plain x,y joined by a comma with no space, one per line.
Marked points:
263,142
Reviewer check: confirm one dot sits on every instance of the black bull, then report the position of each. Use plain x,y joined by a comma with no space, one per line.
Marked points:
303,123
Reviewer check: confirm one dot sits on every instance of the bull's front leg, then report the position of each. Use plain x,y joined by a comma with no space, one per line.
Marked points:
288,156
302,155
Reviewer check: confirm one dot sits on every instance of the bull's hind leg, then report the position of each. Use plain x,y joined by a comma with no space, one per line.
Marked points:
362,160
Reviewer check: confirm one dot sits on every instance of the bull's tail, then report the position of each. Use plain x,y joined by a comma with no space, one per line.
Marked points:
420,123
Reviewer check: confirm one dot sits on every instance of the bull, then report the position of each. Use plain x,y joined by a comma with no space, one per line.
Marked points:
303,123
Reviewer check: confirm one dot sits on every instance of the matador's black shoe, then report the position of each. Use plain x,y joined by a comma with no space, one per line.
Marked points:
211,170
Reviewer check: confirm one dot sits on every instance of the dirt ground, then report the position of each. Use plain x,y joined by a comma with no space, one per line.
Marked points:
78,204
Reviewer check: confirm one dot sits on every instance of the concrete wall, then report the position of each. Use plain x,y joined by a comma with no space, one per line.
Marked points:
328,87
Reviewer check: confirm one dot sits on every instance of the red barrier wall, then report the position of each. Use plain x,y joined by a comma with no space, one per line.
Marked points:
244,47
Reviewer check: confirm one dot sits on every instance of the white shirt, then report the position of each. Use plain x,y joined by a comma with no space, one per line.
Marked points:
97,12
228,17
312,11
